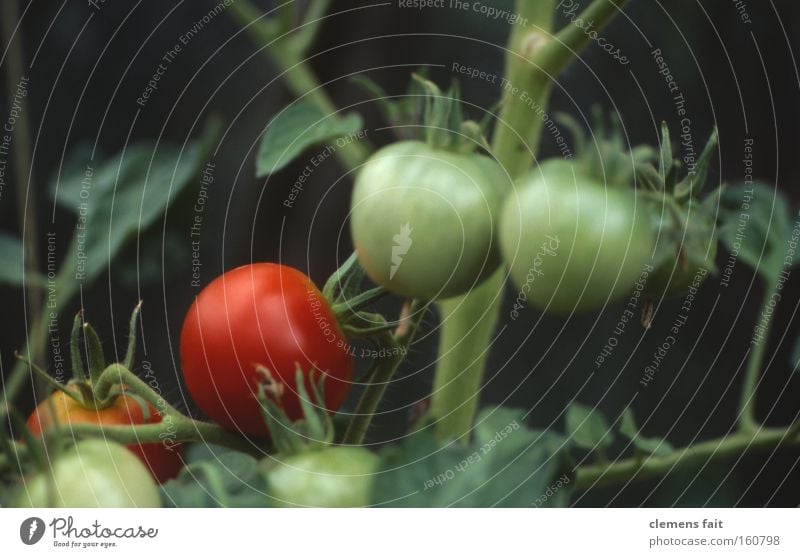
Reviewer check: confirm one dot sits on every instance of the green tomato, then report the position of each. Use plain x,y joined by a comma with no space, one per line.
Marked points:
335,477
423,220
92,473
571,243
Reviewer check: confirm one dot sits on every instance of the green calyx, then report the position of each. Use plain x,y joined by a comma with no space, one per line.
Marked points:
605,155
313,431
443,120
686,224
86,387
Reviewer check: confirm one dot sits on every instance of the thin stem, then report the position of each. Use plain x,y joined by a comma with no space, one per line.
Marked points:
26,205
307,32
554,56
747,403
383,370
296,72
118,375
176,429
641,469
26,192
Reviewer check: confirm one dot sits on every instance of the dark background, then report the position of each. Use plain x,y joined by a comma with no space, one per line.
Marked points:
90,67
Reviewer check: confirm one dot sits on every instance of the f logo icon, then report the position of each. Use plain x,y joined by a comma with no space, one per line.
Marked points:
32,530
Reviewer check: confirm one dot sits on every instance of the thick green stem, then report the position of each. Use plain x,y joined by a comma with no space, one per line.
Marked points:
747,403
468,323
533,60
695,455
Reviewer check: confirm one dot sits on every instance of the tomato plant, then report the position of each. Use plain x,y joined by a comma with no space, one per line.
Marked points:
571,242
161,458
92,473
423,219
256,317
454,217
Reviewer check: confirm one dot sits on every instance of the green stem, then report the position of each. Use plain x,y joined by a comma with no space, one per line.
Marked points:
468,322
289,56
175,429
695,455
747,403
383,370
533,60
26,191
556,54
26,203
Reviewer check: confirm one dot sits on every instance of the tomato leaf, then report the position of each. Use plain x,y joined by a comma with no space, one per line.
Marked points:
295,129
124,195
587,428
216,477
648,445
504,465
756,225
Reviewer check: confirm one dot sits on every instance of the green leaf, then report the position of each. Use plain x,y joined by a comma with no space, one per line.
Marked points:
648,445
756,225
11,271
298,127
125,195
587,428
505,465
216,477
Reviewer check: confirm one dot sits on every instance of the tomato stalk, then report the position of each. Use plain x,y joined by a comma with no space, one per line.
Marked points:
534,57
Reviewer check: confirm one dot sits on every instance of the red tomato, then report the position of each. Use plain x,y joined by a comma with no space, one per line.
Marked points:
267,315
162,459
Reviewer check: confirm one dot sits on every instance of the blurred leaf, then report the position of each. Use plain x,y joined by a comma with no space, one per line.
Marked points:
222,478
11,271
125,195
587,427
649,445
504,465
298,127
757,223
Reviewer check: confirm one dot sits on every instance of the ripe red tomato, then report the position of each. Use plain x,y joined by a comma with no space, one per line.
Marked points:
162,459
267,315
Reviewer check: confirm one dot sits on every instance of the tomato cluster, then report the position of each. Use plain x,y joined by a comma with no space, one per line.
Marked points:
575,234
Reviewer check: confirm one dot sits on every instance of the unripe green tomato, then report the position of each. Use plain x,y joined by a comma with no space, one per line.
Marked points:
423,220
92,473
335,477
572,243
